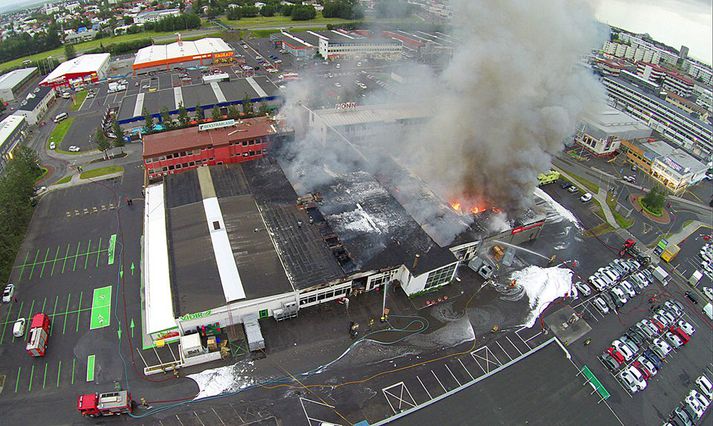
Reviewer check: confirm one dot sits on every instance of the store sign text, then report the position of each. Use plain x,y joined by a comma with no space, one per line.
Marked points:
195,316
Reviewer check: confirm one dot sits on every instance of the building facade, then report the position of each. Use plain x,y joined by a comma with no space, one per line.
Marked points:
35,107
673,123
184,54
359,48
13,130
216,143
672,167
602,133
87,68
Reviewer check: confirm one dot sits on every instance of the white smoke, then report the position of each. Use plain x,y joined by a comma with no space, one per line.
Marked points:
502,106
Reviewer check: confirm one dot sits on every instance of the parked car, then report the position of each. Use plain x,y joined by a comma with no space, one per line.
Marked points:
692,297
660,348
73,148
18,329
682,416
632,379
655,359
630,343
674,307
8,293
648,364
628,289
648,328
587,197
623,348
703,401
601,305
673,340
708,292
565,185
609,361
634,334
53,145
695,406
705,386
614,353
686,327
583,289
618,295
572,189
685,338
642,369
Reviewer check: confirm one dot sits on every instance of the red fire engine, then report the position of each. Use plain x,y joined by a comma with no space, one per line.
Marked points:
38,335
105,404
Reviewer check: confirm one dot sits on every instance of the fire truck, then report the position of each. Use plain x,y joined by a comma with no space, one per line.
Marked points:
38,335
105,404
629,248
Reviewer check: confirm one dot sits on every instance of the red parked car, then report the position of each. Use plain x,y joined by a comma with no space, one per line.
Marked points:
680,333
618,357
644,371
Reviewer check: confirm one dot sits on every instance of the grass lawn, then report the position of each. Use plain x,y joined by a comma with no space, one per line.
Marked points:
65,179
59,132
78,99
591,186
623,222
286,21
101,172
598,230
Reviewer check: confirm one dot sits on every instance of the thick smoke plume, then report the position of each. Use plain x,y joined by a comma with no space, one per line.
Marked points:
500,108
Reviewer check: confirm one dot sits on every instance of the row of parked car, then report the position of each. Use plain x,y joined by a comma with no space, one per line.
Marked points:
619,282
694,405
637,355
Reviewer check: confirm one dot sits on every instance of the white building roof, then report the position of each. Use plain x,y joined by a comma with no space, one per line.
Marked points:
8,126
83,64
185,49
157,281
612,122
13,78
372,114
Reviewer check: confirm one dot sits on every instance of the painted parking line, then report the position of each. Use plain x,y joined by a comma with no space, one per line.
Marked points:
79,310
76,256
44,377
66,311
32,269
99,247
32,376
66,256
22,270
17,380
59,369
74,365
29,315
101,308
90,368
2,337
19,315
56,256
54,313
86,258
44,262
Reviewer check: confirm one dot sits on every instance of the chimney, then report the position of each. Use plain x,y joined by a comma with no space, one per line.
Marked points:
415,261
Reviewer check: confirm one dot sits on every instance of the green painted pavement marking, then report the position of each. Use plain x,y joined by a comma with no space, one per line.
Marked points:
74,363
90,368
76,256
132,328
65,258
54,313
79,310
55,261
99,253
17,381
64,327
44,303
6,321
112,247
132,269
22,270
32,268
19,315
70,312
29,315
86,259
44,379
101,308
59,368
32,375
44,262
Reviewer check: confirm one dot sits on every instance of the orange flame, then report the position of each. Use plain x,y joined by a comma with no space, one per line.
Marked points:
456,205
475,210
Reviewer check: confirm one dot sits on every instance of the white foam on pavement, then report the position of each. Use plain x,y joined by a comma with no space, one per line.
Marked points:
216,381
557,207
543,286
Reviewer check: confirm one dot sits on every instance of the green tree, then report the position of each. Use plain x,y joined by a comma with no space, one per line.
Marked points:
247,105
69,52
215,114
199,112
233,13
655,199
166,118
116,128
183,114
119,143
233,112
303,12
267,10
101,141
148,119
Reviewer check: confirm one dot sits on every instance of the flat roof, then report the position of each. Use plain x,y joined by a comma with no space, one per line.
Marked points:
373,114
197,94
612,122
157,283
30,103
14,78
191,137
180,50
84,64
8,125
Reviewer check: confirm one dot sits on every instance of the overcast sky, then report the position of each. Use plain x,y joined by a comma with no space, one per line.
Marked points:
674,22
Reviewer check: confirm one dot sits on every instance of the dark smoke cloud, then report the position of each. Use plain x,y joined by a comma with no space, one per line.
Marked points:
501,108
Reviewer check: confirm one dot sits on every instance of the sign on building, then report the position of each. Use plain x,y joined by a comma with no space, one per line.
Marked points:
216,125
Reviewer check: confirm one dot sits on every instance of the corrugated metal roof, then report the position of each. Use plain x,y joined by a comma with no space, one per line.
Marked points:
184,49
13,78
8,125
82,64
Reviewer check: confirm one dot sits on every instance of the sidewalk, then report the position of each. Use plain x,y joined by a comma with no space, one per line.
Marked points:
687,231
76,180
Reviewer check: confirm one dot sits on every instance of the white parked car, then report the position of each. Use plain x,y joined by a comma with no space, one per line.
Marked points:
8,293
18,329
661,348
53,145
632,379
708,292
686,327
74,148
628,289
674,340
702,400
586,197
648,364
583,288
624,349
601,305
705,386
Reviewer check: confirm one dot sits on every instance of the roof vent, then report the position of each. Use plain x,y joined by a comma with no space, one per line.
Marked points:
216,225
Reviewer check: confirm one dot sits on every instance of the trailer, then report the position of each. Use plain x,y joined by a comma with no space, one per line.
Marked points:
670,252
105,404
660,274
38,335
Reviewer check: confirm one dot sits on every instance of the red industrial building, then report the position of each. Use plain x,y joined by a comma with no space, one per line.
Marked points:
221,142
